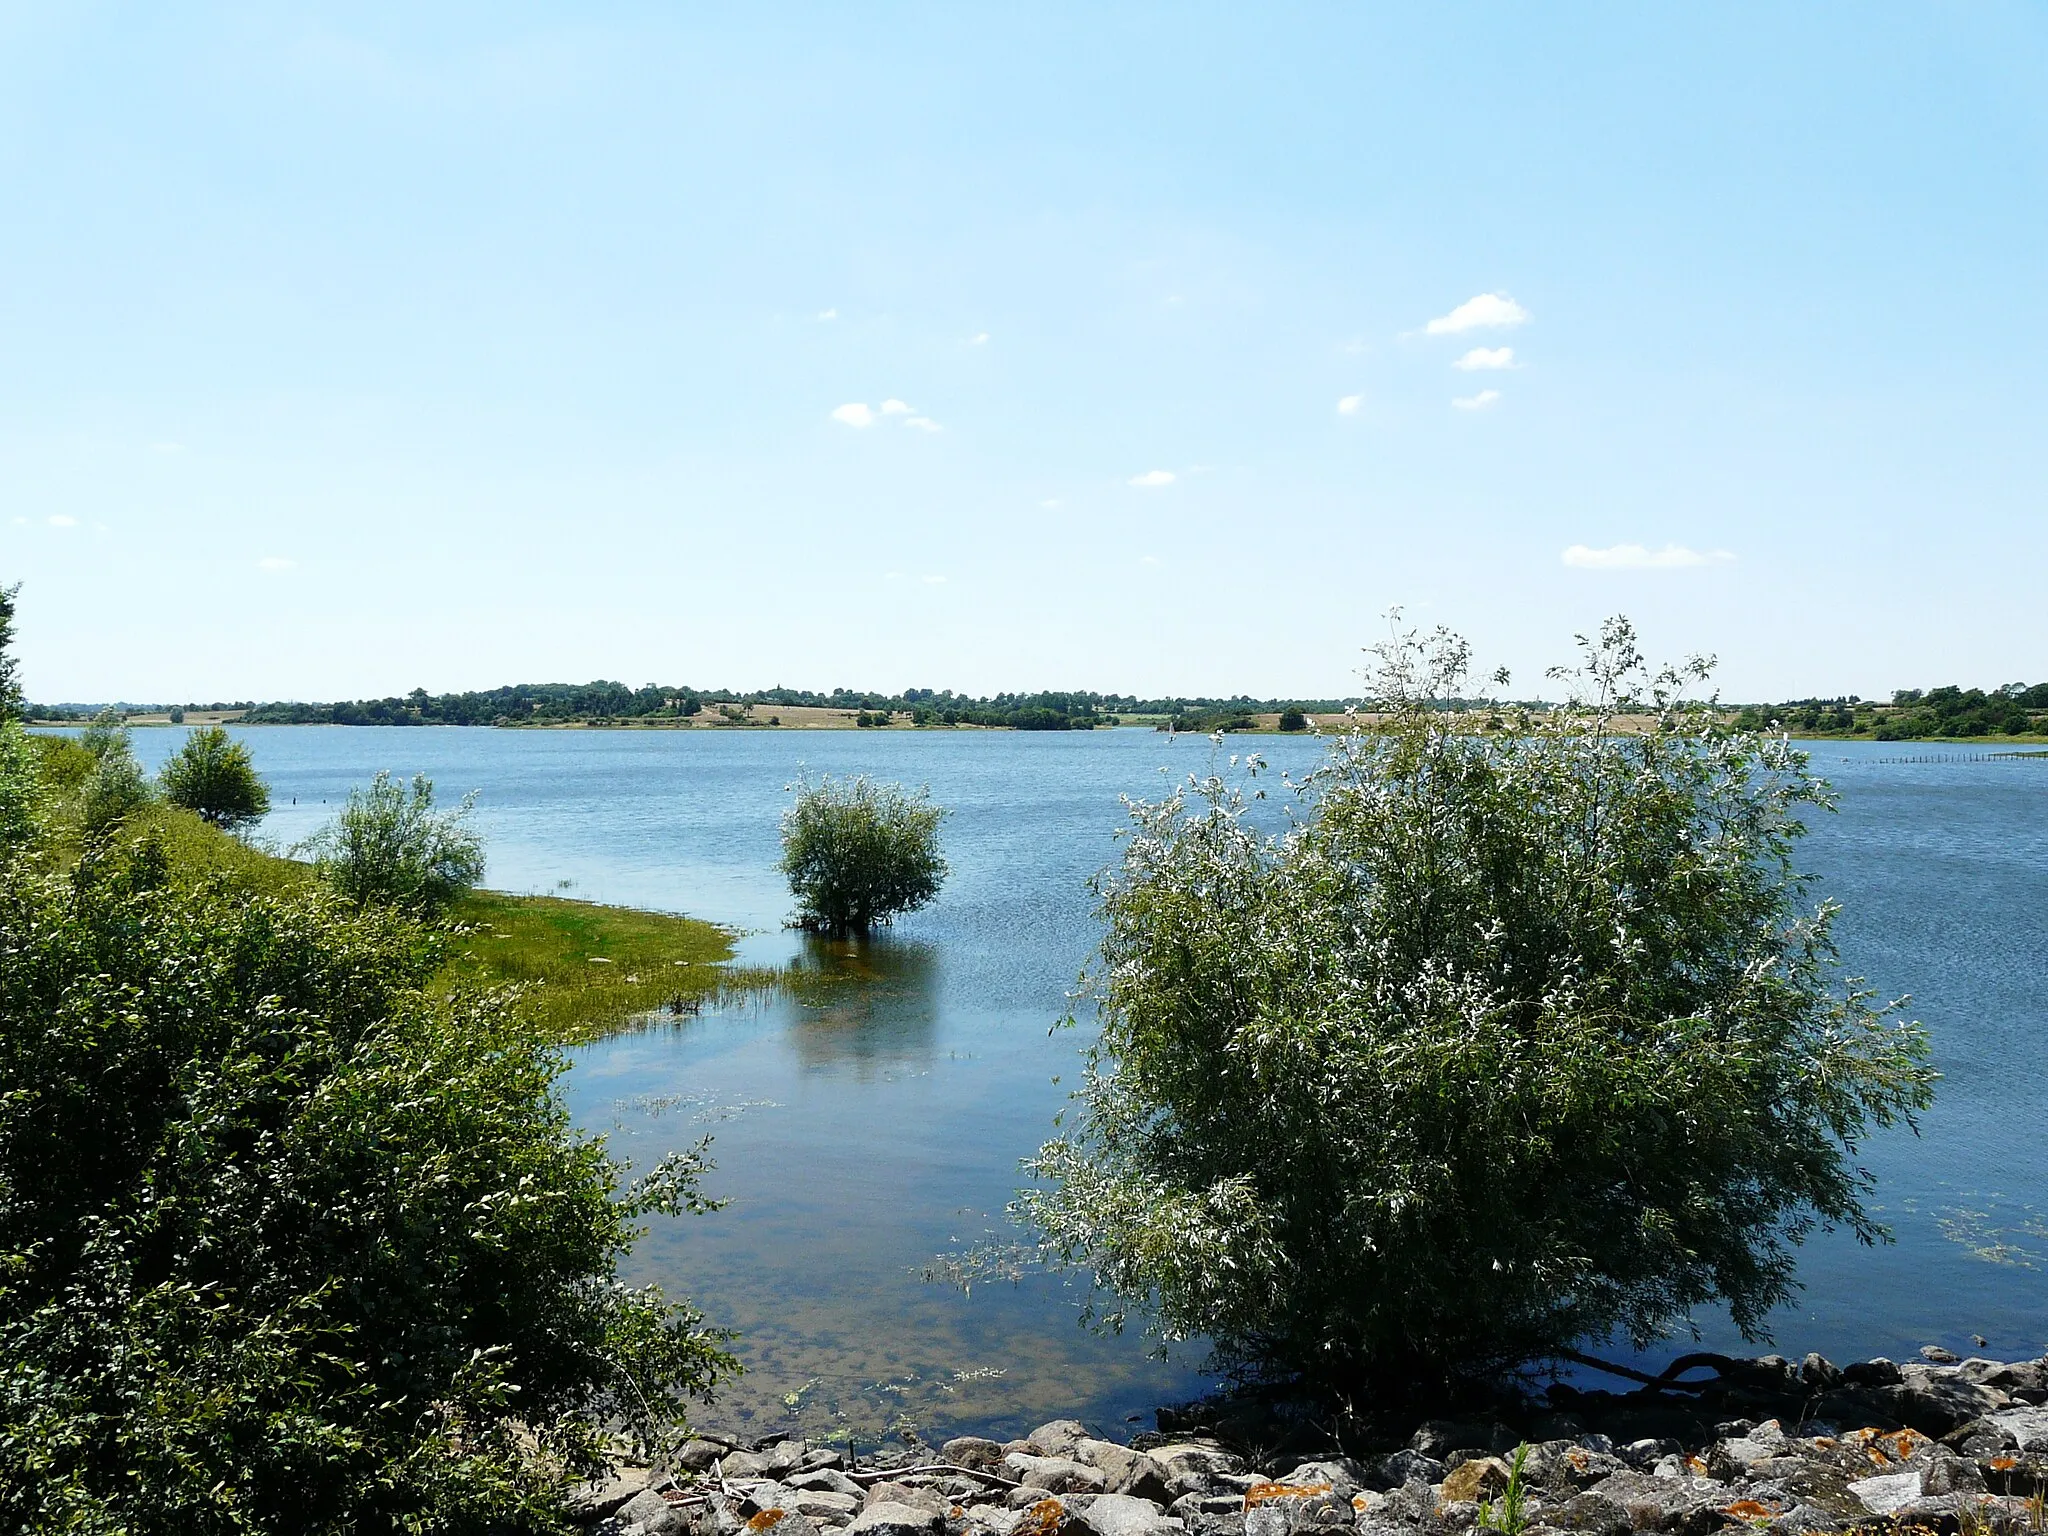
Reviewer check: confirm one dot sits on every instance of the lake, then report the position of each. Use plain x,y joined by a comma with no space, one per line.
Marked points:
867,1124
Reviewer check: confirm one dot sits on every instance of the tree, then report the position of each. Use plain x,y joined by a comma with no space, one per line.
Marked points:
1505,1040
1292,719
391,848
858,853
10,679
290,1244
211,774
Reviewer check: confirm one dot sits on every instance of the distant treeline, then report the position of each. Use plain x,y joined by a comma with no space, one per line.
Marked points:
605,702
2016,709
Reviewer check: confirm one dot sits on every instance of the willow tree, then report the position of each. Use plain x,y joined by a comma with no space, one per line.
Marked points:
1503,1030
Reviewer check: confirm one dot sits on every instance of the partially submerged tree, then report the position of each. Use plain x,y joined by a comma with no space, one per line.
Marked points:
1503,1041
858,853
211,775
390,847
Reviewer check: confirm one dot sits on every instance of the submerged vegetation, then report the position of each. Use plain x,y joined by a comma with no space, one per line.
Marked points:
1496,1045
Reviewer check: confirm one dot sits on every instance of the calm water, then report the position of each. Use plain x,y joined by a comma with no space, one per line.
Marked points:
862,1127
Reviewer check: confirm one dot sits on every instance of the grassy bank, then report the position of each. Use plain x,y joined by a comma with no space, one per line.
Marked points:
583,968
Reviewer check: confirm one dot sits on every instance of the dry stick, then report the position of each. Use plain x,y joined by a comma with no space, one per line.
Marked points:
884,1474
1676,1368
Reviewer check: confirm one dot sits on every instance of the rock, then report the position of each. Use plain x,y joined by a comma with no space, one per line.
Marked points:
1679,1504
783,1522
1878,1372
973,1451
1043,1517
822,1504
907,1493
697,1455
1054,1474
1058,1438
648,1512
1591,1512
1817,1373
2026,1428
828,1480
1887,1494
1936,1401
1475,1481
1295,1507
735,1465
1124,1470
592,1501
892,1519
1409,1466
1117,1514
1341,1473
1936,1355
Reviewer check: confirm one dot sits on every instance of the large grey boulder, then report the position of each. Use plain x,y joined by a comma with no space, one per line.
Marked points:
1118,1514
1058,1438
973,1451
1055,1474
1681,1506
647,1513
1889,1493
893,1519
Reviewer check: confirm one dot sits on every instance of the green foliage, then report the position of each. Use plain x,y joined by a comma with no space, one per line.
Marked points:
22,786
115,788
1509,1514
10,678
1503,1041
285,1244
1292,719
211,775
390,847
858,852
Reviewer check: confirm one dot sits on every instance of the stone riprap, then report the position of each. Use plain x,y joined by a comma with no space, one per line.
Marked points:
1940,1444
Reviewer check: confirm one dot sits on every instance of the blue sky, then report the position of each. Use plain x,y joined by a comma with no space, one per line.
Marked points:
348,349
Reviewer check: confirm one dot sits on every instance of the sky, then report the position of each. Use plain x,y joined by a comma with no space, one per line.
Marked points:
1147,348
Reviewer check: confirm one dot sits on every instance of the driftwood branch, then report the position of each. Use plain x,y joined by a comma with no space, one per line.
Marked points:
1666,1380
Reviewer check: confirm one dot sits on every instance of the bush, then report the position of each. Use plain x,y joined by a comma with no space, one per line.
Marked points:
22,789
1293,720
211,775
1507,1041
858,853
392,848
115,788
285,1245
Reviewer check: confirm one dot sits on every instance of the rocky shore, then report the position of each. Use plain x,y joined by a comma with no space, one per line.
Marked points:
1938,1444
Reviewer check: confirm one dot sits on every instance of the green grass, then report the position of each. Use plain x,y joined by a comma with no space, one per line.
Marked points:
587,968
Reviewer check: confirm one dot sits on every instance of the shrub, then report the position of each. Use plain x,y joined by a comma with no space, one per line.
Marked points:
1293,720
211,774
115,788
22,787
391,848
1505,1041
286,1245
857,853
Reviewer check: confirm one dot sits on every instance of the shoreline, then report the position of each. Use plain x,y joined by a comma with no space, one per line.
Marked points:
1764,1445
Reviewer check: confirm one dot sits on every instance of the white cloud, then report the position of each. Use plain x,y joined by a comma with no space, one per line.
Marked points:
275,563
1634,557
923,424
1481,310
935,581
828,314
896,408
1478,402
1348,406
854,414
1486,357
1051,502
1152,479
1150,560
979,339
59,520
21,522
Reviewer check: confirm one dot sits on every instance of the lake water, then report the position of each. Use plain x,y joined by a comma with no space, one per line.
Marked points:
864,1125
